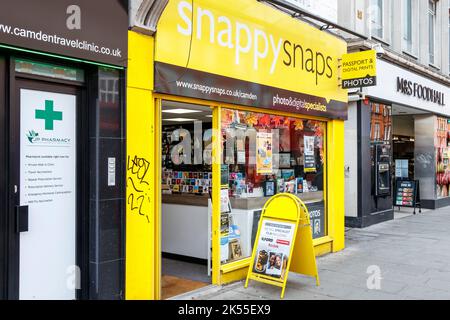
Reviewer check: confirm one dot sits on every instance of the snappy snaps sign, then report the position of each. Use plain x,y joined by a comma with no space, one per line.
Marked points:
244,52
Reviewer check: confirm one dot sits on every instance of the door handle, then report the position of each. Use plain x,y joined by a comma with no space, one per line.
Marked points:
21,218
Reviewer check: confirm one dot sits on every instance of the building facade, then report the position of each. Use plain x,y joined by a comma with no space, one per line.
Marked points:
62,149
406,114
217,123
322,8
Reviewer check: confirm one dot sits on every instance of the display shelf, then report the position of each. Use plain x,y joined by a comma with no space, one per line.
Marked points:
186,199
257,203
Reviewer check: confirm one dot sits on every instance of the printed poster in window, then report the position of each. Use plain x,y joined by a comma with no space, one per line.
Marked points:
225,206
224,247
309,158
240,147
224,231
264,153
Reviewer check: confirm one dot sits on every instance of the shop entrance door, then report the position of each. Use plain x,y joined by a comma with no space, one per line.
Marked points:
44,166
186,188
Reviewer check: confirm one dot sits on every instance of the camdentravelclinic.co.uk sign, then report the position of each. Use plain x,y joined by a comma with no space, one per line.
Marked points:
84,29
420,91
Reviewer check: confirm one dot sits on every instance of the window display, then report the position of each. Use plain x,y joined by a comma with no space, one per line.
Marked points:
186,182
442,143
179,175
380,139
265,155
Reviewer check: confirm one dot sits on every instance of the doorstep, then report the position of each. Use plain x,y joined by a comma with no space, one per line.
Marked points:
210,289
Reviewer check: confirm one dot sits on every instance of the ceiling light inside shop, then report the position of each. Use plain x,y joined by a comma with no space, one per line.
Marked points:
180,111
208,116
180,119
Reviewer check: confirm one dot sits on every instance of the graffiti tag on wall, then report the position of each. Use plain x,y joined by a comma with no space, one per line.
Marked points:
139,198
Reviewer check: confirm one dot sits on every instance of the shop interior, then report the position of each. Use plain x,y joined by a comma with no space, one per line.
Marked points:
262,155
186,206
416,136
403,140
393,140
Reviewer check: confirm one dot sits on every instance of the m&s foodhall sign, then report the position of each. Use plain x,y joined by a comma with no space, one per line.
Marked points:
420,91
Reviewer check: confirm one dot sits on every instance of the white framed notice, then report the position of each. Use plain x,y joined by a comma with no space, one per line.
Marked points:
48,187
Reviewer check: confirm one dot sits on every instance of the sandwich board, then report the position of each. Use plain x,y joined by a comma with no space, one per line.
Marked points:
283,243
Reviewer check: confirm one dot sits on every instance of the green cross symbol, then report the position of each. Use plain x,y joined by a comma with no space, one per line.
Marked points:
48,115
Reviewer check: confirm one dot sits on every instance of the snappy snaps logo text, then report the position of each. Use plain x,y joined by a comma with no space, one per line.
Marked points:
231,34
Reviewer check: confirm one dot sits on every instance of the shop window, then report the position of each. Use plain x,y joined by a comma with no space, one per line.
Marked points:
264,155
109,102
48,70
442,144
109,89
380,130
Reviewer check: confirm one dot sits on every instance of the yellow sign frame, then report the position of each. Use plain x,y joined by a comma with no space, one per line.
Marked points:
359,69
286,207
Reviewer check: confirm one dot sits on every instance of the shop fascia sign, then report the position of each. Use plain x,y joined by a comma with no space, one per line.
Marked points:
420,91
263,48
359,69
239,56
96,31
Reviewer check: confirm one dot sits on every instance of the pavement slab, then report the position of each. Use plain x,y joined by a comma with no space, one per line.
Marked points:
411,252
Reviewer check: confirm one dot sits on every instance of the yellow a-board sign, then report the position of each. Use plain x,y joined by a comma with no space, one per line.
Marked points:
359,69
284,225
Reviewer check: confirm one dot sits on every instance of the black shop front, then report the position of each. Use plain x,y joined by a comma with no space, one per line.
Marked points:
62,147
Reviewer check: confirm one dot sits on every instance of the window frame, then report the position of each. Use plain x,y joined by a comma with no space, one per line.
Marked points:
410,20
432,24
377,28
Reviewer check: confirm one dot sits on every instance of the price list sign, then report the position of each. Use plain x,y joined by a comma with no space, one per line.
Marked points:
405,195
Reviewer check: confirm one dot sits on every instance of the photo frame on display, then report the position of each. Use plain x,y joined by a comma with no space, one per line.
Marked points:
284,160
290,187
288,174
236,251
269,188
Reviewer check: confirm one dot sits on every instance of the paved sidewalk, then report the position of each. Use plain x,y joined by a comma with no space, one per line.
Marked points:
412,253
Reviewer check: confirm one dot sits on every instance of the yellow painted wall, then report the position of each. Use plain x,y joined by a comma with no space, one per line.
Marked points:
336,187
141,222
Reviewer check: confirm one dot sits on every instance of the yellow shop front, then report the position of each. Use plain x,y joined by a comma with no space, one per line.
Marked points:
227,105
